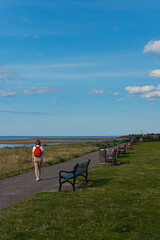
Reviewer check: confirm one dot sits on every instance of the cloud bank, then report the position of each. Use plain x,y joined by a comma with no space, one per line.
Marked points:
8,93
38,91
152,95
153,47
96,92
139,90
6,73
155,74
114,93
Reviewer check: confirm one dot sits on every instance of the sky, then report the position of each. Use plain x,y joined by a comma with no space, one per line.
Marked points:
79,68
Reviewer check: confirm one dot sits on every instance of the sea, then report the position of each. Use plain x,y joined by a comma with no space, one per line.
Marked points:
37,137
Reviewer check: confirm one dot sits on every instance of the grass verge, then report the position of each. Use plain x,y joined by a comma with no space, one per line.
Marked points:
119,203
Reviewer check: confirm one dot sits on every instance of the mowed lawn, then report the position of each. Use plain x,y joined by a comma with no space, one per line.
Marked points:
118,203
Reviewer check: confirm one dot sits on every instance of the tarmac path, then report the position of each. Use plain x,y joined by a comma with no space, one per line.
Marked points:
20,187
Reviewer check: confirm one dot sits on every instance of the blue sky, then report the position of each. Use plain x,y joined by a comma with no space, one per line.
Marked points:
79,68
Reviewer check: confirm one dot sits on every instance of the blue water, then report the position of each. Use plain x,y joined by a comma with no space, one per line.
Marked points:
24,137
5,145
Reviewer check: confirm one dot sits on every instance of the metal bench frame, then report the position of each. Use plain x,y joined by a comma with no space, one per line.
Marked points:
79,170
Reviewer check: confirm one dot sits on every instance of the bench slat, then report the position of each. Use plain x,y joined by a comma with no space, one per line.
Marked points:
70,175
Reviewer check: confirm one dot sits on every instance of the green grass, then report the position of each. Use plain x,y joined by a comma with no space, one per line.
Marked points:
119,203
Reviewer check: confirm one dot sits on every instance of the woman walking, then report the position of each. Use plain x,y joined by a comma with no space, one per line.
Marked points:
38,158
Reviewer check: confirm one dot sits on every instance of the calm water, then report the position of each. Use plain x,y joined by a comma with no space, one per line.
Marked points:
22,145
24,137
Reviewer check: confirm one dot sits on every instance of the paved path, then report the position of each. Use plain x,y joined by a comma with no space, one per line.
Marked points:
18,188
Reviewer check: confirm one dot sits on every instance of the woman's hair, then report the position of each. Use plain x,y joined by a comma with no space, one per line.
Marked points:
38,142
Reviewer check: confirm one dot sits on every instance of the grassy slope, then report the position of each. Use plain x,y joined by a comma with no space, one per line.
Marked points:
119,203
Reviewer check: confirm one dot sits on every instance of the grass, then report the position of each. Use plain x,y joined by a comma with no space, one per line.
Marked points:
18,160
119,203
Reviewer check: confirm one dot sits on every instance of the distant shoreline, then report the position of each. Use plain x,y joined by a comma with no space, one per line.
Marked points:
56,140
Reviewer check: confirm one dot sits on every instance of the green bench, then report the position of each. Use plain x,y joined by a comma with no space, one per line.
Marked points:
70,177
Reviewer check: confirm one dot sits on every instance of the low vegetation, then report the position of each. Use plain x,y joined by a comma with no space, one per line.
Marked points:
118,203
17,160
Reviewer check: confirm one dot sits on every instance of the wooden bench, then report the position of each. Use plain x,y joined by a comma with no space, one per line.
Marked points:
121,149
79,170
111,156
129,145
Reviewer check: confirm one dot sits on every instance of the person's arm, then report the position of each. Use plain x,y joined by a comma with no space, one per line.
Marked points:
33,155
42,153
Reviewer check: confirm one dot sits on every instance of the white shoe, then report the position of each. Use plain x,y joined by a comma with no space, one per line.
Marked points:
37,179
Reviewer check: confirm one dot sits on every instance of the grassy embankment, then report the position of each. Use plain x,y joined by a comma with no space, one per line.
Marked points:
17,160
119,203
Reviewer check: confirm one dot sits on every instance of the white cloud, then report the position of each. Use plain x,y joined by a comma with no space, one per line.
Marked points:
155,74
96,92
115,93
151,92
121,99
139,90
153,47
152,95
10,93
6,73
42,90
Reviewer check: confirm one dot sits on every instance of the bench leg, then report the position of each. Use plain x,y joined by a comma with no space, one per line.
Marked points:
86,176
115,161
73,184
60,184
